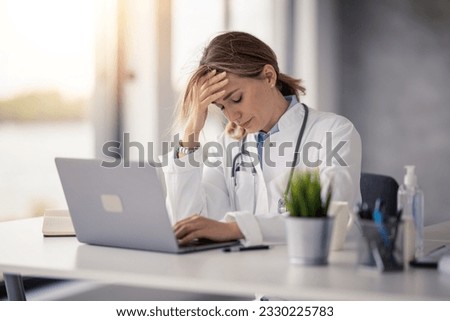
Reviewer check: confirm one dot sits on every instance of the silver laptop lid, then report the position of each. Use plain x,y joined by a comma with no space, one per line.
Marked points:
120,206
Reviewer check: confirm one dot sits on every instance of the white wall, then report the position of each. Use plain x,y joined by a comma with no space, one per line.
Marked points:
394,76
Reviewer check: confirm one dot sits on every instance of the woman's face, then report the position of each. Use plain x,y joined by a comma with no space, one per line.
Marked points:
249,102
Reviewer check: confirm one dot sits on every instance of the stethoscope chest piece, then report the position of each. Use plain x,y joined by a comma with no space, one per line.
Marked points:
281,206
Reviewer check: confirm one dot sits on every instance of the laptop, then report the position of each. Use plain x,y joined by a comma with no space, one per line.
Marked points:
121,207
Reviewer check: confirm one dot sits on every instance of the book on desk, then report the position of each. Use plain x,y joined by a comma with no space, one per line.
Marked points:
57,222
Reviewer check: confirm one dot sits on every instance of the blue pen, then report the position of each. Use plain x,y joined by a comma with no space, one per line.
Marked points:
378,219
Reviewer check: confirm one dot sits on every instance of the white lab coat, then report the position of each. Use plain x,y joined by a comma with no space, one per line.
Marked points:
193,187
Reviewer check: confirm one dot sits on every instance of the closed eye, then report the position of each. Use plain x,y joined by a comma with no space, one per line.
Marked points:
237,100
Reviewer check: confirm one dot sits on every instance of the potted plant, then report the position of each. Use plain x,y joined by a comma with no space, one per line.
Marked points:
308,227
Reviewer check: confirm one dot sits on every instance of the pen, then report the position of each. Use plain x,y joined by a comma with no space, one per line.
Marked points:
378,218
439,251
246,248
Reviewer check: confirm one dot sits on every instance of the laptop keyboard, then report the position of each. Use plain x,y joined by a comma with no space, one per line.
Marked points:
199,242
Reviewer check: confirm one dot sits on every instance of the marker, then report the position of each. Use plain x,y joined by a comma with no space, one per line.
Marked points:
378,218
245,248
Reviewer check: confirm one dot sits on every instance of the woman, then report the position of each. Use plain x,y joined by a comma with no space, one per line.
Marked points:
240,196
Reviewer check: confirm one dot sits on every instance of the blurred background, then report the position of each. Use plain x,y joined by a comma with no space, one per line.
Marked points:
75,74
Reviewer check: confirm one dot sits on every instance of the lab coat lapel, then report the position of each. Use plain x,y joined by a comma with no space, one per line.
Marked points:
262,202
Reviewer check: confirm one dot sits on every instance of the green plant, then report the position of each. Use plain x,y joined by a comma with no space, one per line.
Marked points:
303,198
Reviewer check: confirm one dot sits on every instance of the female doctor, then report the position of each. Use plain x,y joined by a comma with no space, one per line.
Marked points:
238,194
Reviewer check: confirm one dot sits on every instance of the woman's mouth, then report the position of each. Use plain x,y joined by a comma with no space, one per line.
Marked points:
245,125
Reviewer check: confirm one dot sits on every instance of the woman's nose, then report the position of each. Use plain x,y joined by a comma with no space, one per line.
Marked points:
234,116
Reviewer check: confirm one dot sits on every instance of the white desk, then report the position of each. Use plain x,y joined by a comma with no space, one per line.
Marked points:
24,251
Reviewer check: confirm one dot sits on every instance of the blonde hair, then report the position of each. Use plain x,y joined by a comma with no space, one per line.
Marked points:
241,54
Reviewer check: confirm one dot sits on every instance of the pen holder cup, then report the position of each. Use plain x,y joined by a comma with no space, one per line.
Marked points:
379,246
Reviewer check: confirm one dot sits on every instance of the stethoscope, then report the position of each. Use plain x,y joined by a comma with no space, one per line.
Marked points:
237,165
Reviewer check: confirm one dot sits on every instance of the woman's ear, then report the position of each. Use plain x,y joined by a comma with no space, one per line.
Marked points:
270,75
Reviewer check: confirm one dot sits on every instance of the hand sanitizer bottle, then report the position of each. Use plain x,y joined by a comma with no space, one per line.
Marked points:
410,201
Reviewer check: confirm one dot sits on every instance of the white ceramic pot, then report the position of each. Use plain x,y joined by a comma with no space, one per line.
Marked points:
308,239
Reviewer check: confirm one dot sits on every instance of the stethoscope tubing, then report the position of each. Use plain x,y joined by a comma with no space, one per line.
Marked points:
243,153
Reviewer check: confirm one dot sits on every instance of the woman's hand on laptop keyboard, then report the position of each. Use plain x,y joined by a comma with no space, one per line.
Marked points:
196,227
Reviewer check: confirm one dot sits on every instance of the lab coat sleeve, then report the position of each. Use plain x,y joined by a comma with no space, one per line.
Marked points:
194,187
259,229
341,162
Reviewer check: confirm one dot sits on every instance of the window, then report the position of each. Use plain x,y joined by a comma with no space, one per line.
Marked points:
46,80
204,19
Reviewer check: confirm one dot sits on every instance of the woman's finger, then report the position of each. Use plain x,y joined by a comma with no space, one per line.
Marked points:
187,219
208,100
188,238
188,232
200,100
208,91
211,79
193,228
186,224
183,230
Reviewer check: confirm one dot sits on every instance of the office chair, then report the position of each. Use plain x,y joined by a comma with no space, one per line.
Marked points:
36,288
375,186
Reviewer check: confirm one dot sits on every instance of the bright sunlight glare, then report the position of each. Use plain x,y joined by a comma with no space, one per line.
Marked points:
47,44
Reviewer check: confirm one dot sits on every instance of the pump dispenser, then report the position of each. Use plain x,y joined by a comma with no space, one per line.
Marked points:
410,179
410,201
